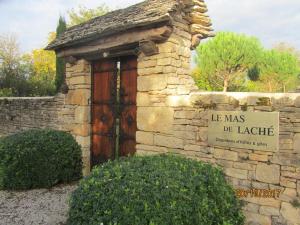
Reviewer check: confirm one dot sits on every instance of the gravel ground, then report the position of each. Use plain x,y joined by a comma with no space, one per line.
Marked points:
35,207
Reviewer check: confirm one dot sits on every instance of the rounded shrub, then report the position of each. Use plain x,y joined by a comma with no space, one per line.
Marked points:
38,159
155,190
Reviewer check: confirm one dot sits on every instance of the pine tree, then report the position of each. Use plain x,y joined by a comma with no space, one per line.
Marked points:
60,62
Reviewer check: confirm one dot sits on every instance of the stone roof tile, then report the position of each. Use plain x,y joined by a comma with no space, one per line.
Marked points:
142,14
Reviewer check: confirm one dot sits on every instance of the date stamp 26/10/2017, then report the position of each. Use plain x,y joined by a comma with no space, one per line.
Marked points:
258,193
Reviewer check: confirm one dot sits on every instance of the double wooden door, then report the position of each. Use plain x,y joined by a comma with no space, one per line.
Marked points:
114,92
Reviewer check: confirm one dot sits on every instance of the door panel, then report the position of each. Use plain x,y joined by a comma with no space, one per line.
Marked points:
128,92
108,108
103,107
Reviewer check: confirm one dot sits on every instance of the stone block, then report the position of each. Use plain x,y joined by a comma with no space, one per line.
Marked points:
164,61
78,97
169,142
264,201
202,134
147,63
268,173
150,148
183,90
258,157
297,143
169,69
173,80
236,173
185,114
158,119
82,114
251,207
288,195
294,175
84,142
86,152
288,182
224,163
255,218
178,101
290,213
297,102
269,211
151,83
145,138
167,47
143,99
244,166
195,148
150,70
81,130
76,80
86,166
225,154
81,66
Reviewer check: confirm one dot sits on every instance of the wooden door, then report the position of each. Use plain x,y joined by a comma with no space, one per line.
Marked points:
128,92
103,111
108,109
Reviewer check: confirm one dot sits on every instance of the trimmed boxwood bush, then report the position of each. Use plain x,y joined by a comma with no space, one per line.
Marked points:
38,159
155,190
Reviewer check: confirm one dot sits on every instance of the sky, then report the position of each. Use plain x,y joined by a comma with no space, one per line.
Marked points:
272,21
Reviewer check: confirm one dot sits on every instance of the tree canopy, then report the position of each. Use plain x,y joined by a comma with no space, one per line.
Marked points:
279,71
83,14
39,72
29,74
60,62
236,62
225,58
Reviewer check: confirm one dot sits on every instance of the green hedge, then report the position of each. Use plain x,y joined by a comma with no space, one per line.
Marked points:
38,159
155,190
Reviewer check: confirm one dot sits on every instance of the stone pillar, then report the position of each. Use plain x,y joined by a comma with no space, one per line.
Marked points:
78,79
161,79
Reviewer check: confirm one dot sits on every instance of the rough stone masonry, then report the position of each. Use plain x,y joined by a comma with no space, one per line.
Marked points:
172,116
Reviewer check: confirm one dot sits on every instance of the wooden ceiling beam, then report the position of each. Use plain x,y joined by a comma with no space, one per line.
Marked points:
159,34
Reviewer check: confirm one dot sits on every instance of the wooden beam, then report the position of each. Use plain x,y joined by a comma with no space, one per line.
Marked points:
159,34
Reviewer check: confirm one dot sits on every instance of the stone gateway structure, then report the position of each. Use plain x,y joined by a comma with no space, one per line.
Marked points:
130,92
124,67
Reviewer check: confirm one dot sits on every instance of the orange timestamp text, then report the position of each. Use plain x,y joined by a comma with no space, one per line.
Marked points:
257,193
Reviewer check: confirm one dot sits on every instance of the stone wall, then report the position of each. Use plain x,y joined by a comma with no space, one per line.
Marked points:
78,79
172,117
184,131
17,114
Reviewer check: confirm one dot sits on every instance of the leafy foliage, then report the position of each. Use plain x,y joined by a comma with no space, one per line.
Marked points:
25,75
235,62
60,62
83,14
155,190
279,71
38,159
224,59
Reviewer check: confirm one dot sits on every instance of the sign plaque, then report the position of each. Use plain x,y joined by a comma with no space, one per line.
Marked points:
248,130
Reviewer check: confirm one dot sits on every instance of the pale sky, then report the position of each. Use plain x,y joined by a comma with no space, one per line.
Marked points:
272,21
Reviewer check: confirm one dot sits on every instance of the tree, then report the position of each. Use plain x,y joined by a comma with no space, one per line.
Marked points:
225,59
60,62
285,47
14,69
83,14
279,71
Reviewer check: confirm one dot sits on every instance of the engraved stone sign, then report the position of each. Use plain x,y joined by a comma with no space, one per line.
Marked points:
249,130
